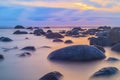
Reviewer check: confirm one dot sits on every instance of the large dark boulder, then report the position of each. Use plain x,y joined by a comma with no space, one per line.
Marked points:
57,40
77,53
20,32
1,57
115,34
101,41
5,39
52,76
54,35
116,47
19,27
39,32
29,48
107,71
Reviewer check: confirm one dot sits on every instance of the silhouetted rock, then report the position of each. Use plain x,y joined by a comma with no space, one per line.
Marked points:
104,28
116,47
1,57
107,71
24,54
20,32
103,33
19,27
52,76
100,48
5,39
74,31
68,41
91,31
57,40
54,35
31,28
101,41
115,34
112,59
29,48
39,32
77,53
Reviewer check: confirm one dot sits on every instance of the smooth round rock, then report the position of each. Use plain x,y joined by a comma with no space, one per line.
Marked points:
77,53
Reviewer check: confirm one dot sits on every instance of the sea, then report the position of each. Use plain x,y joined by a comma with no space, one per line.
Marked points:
37,65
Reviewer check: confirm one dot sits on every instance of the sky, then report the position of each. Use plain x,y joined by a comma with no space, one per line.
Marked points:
59,12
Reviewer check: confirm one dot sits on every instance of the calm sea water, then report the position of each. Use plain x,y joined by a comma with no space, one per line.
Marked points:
35,66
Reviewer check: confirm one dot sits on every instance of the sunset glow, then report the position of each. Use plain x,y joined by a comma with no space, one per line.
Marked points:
59,12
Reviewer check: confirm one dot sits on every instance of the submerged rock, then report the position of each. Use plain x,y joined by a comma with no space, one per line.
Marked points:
54,35
5,39
1,57
57,40
116,47
107,71
19,27
29,48
45,47
20,32
52,76
68,41
24,54
101,41
112,59
77,53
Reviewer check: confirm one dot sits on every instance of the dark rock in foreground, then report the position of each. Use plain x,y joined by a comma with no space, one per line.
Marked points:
19,27
100,48
68,41
20,32
1,57
112,59
57,40
54,35
116,47
52,76
29,48
77,53
107,71
101,41
5,39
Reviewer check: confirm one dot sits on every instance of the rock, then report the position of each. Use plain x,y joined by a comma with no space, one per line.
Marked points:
29,48
1,57
52,76
5,39
39,32
104,28
49,31
77,53
57,40
26,38
101,41
115,34
112,59
107,71
31,28
45,47
24,54
54,35
104,33
116,47
20,32
100,48
19,27
91,31
62,31
68,42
